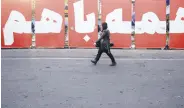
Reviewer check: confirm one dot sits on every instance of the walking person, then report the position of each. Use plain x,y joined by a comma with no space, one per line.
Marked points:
104,45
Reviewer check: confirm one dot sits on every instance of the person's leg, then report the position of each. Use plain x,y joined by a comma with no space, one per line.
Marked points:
111,57
97,56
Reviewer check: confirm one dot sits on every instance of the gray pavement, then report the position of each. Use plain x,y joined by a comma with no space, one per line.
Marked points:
62,78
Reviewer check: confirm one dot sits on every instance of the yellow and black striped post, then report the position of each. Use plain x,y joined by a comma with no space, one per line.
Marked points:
33,45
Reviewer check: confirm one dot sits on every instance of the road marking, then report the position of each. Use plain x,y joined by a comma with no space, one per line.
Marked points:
122,59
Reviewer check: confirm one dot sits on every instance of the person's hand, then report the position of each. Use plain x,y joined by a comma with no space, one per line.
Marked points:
94,44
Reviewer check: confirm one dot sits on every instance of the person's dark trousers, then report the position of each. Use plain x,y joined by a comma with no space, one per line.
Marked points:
107,52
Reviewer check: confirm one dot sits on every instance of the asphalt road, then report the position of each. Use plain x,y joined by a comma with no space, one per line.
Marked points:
57,78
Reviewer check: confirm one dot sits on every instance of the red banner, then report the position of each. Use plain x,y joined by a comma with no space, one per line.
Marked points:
82,28
49,25
150,25
117,13
16,24
176,24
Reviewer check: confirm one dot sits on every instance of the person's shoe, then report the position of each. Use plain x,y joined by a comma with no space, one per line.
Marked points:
113,64
94,62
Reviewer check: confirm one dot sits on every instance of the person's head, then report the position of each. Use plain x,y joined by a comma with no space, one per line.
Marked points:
104,26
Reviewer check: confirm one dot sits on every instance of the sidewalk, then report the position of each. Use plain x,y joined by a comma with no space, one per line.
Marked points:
90,53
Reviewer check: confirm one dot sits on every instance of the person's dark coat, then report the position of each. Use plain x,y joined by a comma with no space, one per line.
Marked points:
104,40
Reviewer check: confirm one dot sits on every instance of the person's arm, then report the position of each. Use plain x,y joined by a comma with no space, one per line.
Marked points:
102,36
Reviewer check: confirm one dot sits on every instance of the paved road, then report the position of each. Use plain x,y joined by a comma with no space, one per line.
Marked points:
56,78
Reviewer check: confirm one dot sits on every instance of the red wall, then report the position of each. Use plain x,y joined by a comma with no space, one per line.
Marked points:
176,39
150,29
15,37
